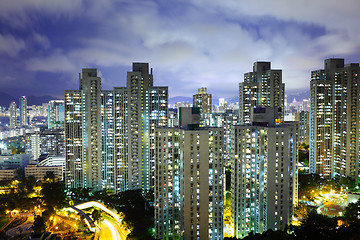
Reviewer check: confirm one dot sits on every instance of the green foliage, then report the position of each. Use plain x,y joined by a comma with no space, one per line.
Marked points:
316,226
20,172
348,183
352,213
300,211
313,182
79,195
304,157
228,179
54,194
18,200
96,215
303,146
149,195
138,214
39,224
49,175
48,213
5,183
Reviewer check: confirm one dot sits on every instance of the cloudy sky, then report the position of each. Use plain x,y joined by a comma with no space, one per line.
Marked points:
189,43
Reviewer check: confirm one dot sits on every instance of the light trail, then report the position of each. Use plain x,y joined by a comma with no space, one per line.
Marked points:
101,206
115,234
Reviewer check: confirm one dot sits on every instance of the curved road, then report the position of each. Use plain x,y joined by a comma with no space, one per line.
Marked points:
24,228
109,229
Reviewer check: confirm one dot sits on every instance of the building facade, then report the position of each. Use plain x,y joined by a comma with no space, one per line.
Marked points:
189,181
49,141
334,119
109,134
8,174
263,174
262,87
146,110
39,172
203,101
23,111
12,114
56,114
303,118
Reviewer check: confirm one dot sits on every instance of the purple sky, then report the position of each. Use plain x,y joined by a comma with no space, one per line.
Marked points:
189,44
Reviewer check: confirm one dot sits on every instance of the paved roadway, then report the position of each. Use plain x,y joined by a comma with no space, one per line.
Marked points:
110,230
22,229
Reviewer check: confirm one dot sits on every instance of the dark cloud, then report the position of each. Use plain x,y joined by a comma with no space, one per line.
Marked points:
188,43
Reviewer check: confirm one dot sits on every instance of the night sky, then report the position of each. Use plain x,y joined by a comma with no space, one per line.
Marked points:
189,43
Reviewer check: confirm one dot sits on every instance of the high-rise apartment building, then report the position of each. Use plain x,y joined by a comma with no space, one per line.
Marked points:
74,166
263,173
12,114
56,114
110,133
83,132
49,141
146,110
23,111
189,180
203,101
120,111
262,87
107,139
303,118
334,119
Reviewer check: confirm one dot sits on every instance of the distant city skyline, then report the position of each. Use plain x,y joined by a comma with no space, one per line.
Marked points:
190,44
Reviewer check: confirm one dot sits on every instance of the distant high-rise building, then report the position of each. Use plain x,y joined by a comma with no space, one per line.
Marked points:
146,109
108,139
12,113
303,118
334,119
23,111
33,143
56,114
263,173
49,142
262,87
203,100
83,132
189,180
221,102
120,114
110,134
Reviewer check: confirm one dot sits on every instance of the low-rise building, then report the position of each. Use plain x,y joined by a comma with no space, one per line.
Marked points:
39,172
7,174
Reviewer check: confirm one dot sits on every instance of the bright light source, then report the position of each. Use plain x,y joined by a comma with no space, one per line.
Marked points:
2,146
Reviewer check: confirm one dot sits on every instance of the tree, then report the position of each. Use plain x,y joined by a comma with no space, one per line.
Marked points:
347,183
138,215
96,215
39,224
30,183
20,173
228,179
49,175
53,194
317,226
300,210
48,213
352,213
